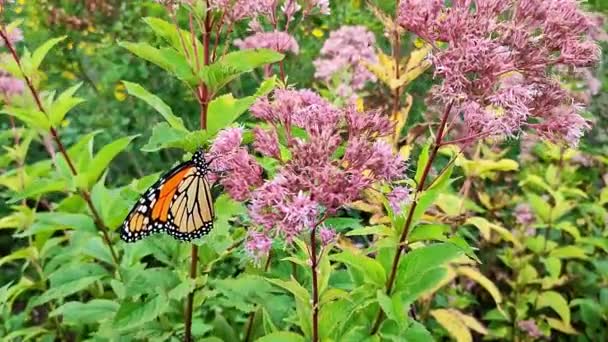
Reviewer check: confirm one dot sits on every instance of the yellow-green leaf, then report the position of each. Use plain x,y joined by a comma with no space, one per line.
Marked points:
453,324
555,301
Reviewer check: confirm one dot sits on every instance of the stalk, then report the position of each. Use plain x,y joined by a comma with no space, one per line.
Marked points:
55,135
408,222
204,106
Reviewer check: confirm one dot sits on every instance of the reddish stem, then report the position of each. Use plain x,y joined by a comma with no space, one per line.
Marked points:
84,194
204,102
410,215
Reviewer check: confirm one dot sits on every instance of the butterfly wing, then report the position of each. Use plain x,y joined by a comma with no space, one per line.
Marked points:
179,203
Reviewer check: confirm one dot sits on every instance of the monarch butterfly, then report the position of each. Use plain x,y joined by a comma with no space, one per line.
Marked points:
179,203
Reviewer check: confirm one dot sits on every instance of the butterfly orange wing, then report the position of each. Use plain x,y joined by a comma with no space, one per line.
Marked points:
179,203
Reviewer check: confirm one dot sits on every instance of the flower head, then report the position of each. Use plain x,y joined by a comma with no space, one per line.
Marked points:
276,40
327,235
398,198
334,157
257,244
499,59
343,53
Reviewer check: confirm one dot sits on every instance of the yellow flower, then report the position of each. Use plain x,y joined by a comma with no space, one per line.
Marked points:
419,43
360,104
68,75
119,92
317,33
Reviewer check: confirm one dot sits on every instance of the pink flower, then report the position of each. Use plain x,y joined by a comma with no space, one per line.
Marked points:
257,244
243,173
523,214
343,52
10,86
227,140
277,40
398,198
338,156
266,142
529,326
499,61
14,35
327,235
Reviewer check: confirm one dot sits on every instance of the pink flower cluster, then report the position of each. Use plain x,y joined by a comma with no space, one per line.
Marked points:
332,155
275,40
10,86
341,55
498,61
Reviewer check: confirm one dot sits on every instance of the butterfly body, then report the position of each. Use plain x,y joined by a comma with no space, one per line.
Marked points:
180,203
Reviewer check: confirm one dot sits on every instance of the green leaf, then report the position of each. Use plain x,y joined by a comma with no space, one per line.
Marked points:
372,270
24,253
379,230
64,103
41,52
434,231
417,263
53,221
92,312
156,103
65,290
135,313
40,187
292,286
540,206
30,116
423,159
247,60
392,307
220,73
569,252
555,301
103,158
281,336
174,36
165,58
417,332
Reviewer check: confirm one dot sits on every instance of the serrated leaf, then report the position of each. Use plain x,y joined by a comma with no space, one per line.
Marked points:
42,50
176,37
435,231
292,286
157,103
65,290
64,103
372,270
164,58
93,311
103,158
135,313
420,269
30,116
230,66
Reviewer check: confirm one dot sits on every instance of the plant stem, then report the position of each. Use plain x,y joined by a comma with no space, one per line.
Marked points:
396,46
83,193
251,318
204,105
410,215
315,285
